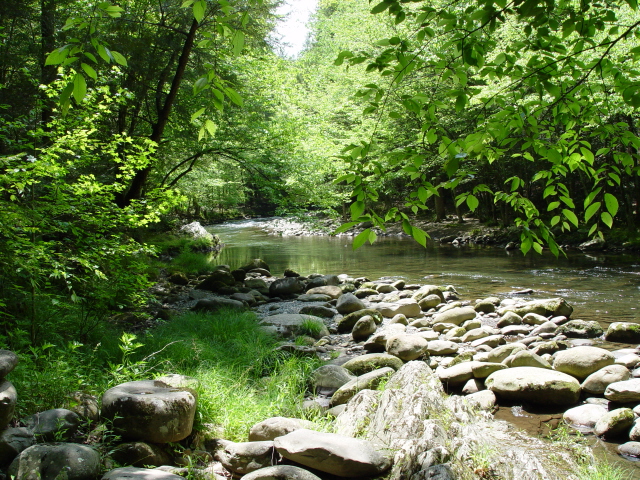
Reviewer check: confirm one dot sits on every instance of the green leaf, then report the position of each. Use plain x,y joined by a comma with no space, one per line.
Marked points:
525,245
344,227
357,209
553,206
197,114
65,97
612,204
199,9
569,215
420,236
472,202
361,239
89,71
554,221
381,7
372,237
57,56
607,220
537,247
79,87
591,211
211,127
104,53
233,96
119,58
238,42
587,154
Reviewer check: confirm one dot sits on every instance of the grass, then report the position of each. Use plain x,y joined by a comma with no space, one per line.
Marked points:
243,380
601,470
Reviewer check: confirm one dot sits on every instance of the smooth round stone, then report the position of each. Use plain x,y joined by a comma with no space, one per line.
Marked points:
623,332
485,399
51,461
370,362
406,347
8,400
281,472
584,416
581,362
534,385
369,380
524,358
598,382
630,361
629,449
364,328
133,473
514,330
623,392
442,347
276,427
615,423
330,377
8,361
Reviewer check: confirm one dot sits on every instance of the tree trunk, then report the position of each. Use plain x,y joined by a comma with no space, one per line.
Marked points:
47,44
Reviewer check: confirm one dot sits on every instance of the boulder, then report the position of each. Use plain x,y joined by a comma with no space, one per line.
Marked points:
484,369
427,290
245,457
13,441
331,291
615,423
141,454
256,263
286,286
371,361
364,328
275,427
509,318
485,399
429,302
623,332
456,375
534,319
369,380
584,416
406,347
216,280
332,453
405,306
524,358
256,284
281,472
318,311
629,361
330,377
378,341
534,385
349,303
455,315
580,329
287,324
501,353
133,473
629,449
244,298
598,382
487,305
552,306
346,323
150,411
442,347
623,392
55,424
8,399
581,362
52,461
8,361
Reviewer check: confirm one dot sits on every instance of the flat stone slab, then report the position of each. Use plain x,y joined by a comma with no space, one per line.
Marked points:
133,473
534,385
332,453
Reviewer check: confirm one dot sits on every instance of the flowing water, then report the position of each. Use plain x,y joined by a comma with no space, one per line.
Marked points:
600,287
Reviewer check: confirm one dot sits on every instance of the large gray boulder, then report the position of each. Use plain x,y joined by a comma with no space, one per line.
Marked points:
623,392
332,453
286,286
534,385
580,362
615,423
8,361
598,381
349,303
405,306
8,400
364,328
331,291
455,315
330,377
141,454
551,306
245,457
52,461
55,424
584,416
281,472
275,427
13,441
150,410
623,332
216,280
581,329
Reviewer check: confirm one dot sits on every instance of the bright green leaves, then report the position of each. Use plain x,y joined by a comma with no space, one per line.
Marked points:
199,7
591,211
112,10
79,87
362,238
238,42
357,209
612,204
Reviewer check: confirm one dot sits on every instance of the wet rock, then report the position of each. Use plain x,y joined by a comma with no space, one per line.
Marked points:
51,461
332,453
598,382
581,362
59,424
150,411
615,423
286,286
369,381
534,385
245,457
372,361
623,332
487,305
546,307
215,304
581,329
349,303
275,427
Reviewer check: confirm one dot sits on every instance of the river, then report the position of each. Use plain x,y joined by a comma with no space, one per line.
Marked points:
600,287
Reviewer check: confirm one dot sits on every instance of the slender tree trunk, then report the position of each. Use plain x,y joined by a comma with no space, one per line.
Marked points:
441,212
47,44
140,179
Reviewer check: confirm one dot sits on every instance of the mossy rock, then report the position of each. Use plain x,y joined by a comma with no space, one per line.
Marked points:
623,332
346,323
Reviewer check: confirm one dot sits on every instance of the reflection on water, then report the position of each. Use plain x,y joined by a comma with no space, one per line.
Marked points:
602,287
